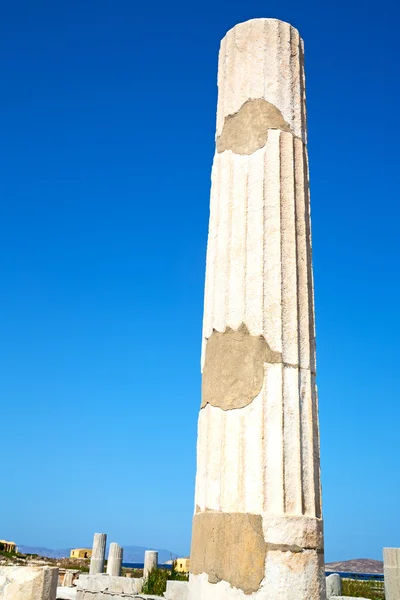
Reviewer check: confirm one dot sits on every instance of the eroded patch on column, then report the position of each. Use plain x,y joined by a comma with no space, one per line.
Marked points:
233,372
247,130
229,547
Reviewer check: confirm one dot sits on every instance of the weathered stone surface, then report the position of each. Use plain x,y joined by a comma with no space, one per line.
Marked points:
106,595
233,372
258,435
98,553
111,584
219,538
247,130
263,58
391,569
28,583
294,575
150,562
66,593
114,562
289,530
177,590
68,578
333,585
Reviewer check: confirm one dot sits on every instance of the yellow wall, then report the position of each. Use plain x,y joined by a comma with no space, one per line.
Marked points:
81,553
182,565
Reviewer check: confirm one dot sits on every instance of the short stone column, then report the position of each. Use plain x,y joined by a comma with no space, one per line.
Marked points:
257,528
98,553
150,562
391,569
68,578
333,585
114,562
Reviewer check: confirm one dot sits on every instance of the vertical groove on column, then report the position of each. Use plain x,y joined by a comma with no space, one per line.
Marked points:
222,462
223,249
201,463
238,223
214,460
241,465
254,261
246,226
284,65
231,475
211,256
230,187
305,334
263,453
303,111
273,444
291,425
272,317
310,278
290,351
222,58
303,266
314,398
317,478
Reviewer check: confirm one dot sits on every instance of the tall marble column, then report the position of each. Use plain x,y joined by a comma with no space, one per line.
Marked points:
114,562
98,553
257,528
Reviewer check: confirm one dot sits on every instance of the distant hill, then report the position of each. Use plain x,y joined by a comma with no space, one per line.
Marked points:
135,554
132,554
356,565
47,552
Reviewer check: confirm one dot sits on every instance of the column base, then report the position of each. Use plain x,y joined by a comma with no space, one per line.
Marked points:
288,576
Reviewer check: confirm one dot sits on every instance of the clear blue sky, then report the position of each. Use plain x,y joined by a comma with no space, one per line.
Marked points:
107,116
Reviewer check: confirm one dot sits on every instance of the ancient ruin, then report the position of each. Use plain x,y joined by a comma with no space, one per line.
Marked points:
114,562
150,562
28,583
98,553
391,561
257,528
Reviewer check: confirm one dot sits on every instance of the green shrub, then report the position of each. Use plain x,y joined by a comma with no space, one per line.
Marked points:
363,589
156,583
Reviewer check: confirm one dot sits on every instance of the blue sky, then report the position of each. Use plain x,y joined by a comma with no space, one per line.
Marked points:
107,119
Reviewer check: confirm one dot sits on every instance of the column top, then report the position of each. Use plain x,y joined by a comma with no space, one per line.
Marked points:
263,60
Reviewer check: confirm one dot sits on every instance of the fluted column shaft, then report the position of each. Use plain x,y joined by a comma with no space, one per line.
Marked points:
114,562
258,523
98,553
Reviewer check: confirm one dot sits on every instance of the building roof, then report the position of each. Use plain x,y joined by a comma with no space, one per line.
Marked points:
7,542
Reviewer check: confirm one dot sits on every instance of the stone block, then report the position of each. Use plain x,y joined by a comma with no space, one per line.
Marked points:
110,584
177,590
28,583
89,595
333,585
68,578
391,569
347,598
66,593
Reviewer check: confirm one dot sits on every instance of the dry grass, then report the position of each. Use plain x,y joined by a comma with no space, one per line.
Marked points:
363,589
